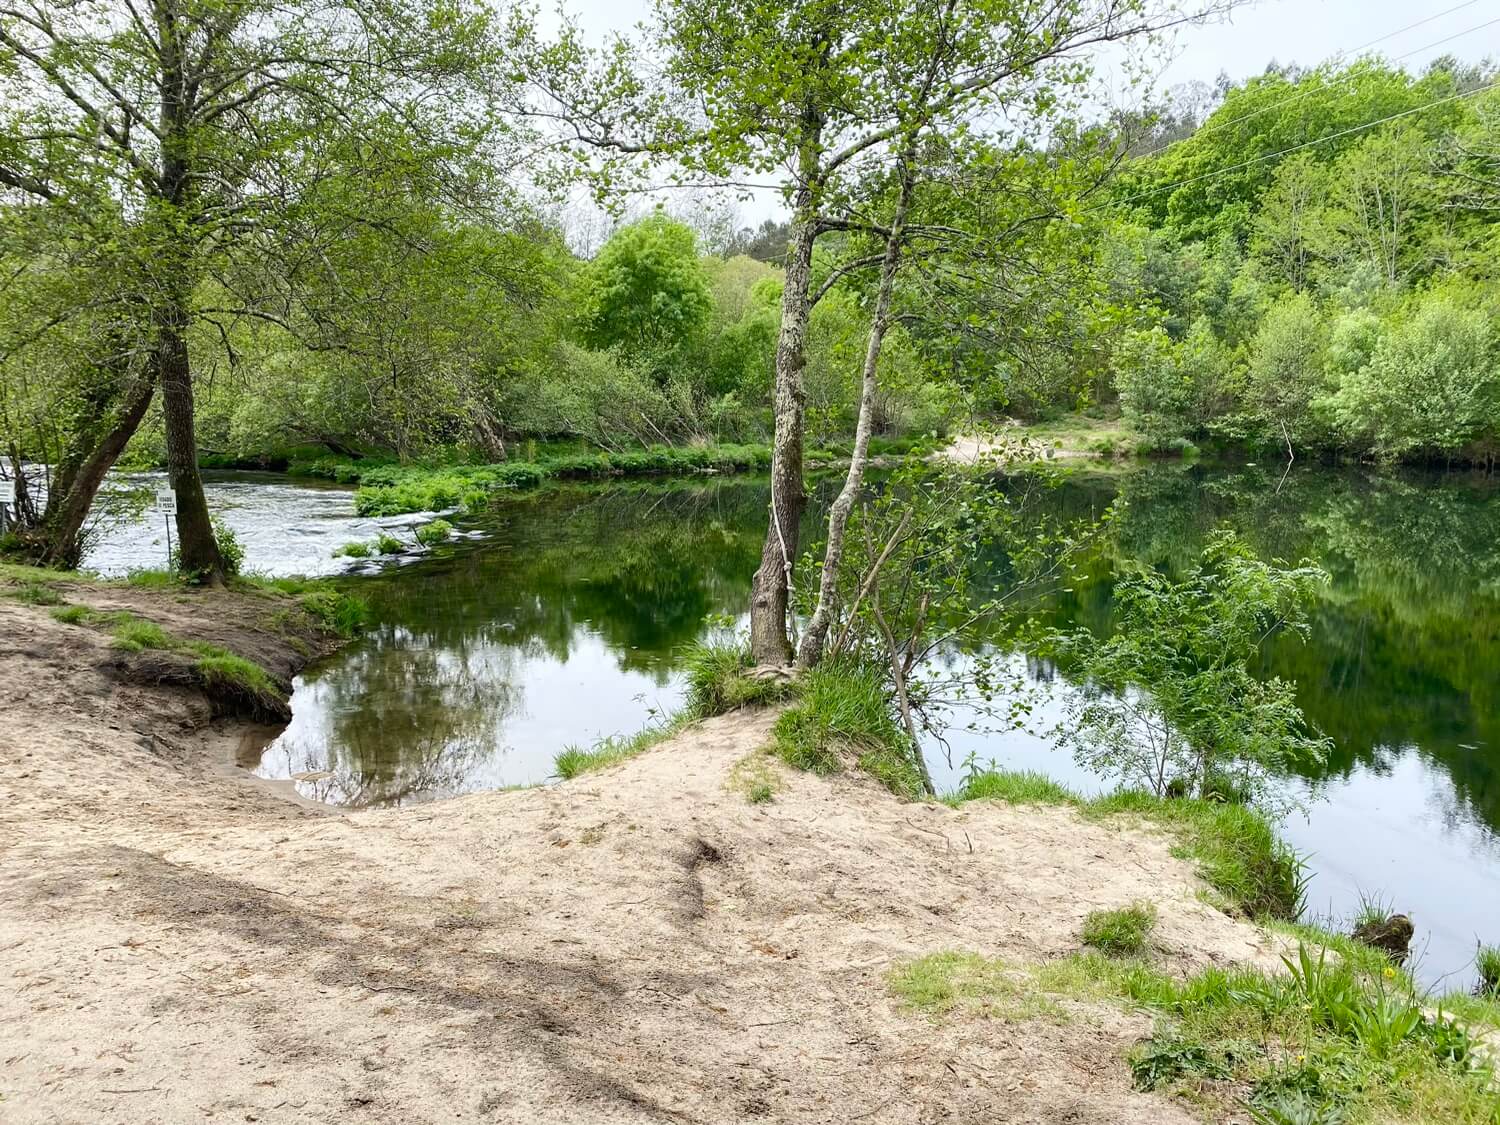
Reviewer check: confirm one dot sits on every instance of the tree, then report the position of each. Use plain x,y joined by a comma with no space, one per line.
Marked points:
1285,373
1381,192
1171,702
817,91
1430,386
197,121
646,292
1288,227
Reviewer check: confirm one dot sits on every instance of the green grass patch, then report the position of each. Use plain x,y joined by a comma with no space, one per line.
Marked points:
1122,932
1235,848
1487,961
845,708
717,681
354,550
575,760
135,634
1320,1042
388,544
223,671
755,777
72,614
36,593
1016,787
948,982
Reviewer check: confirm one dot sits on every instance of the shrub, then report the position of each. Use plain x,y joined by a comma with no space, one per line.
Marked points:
231,550
355,550
431,534
388,544
1122,932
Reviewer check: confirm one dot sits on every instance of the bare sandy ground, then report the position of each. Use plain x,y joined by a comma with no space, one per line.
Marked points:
178,944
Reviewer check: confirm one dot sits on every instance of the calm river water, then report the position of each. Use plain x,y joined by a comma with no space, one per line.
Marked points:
563,624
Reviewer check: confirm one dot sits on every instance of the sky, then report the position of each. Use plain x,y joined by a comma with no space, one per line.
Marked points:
1242,44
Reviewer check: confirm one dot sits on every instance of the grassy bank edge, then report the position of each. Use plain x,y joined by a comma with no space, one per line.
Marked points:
300,607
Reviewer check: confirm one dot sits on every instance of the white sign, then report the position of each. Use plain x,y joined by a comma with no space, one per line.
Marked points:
166,501
7,491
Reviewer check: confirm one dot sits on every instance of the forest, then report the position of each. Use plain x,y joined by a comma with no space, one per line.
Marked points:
283,262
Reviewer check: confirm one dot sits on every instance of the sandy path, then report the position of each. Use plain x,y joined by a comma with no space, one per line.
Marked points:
638,945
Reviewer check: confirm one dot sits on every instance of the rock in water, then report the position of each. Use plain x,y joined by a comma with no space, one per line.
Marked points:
1392,936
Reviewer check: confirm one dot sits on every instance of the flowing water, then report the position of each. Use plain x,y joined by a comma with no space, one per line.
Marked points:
564,624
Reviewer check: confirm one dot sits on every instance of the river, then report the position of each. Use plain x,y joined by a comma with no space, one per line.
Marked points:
564,623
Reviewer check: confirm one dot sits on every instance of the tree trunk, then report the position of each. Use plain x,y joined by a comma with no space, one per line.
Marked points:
770,590
198,553
811,649
63,526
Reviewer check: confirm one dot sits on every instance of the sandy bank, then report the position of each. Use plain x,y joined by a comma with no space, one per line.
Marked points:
638,945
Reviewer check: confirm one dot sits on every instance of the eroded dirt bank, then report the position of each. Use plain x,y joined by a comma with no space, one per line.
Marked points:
638,945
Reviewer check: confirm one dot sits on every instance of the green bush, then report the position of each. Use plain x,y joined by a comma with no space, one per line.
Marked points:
431,534
388,544
355,550
1122,932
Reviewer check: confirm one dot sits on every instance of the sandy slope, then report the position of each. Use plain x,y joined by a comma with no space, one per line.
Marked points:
639,945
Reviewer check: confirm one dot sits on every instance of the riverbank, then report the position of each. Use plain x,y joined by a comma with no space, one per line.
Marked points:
644,942
387,489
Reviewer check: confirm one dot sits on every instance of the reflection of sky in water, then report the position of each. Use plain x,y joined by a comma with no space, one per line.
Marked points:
1404,834
285,527
525,715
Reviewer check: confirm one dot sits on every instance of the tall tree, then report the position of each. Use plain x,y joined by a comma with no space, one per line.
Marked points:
198,121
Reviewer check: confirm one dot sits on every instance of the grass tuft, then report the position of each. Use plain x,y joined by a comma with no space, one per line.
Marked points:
133,634
1122,932
717,682
388,544
73,614
354,550
1320,1042
575,760
431,534
1487,961
845,708
36,593
1018,787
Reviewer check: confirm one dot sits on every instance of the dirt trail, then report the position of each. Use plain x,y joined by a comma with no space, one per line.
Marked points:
638,945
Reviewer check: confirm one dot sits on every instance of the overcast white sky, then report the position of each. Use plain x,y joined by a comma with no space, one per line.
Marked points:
1300,31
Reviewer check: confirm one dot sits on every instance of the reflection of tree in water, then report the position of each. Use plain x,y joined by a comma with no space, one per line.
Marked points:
638,566
419,706
397,720
1404,648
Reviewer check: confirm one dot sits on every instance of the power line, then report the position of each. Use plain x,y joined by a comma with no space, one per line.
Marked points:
1295,148
1337,58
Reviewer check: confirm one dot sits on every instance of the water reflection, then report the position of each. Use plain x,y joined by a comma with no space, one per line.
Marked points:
565,623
